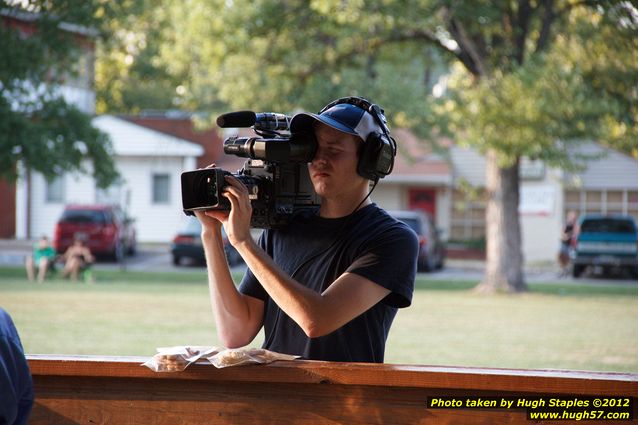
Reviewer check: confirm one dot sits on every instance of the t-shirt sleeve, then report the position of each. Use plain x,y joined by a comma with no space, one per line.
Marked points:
249,284
390,261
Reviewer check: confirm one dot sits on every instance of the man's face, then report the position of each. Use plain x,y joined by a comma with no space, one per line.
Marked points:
333,170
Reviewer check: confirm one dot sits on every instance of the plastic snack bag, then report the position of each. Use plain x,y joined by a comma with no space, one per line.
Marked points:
178,358
239,356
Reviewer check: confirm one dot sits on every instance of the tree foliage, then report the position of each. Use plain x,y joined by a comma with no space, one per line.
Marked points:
285,56
129,73
583,87
529,72
37,126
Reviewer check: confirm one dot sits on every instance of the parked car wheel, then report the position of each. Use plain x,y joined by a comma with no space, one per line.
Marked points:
118,253
132,249
428,264
440,263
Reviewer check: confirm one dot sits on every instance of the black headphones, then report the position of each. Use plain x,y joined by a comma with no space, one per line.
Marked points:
376,158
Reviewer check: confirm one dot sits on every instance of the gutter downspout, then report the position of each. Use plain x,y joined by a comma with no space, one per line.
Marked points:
28,206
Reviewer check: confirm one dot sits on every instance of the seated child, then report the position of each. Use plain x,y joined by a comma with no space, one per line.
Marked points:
43,258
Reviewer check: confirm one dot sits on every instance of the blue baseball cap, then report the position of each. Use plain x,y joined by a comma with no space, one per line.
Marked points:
344,117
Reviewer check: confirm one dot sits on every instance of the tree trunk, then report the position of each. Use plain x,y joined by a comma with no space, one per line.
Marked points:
504,267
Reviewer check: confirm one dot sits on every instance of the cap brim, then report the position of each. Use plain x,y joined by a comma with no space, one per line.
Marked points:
303,122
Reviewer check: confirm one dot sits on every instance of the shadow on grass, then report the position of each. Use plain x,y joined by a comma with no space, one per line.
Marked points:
557,288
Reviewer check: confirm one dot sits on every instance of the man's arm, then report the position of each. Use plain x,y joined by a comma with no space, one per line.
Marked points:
317,314
238,317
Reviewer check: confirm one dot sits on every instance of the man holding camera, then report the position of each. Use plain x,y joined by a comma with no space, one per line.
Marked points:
326,286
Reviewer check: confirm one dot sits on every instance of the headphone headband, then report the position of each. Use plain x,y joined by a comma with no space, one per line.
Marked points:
375,110
352,100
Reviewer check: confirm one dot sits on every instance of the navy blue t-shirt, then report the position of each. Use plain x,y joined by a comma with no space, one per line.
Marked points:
315,251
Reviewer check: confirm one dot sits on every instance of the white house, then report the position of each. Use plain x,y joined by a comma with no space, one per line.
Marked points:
150,164
607,185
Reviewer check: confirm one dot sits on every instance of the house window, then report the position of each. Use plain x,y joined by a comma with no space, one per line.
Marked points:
55,190
602,202
468,217
161,184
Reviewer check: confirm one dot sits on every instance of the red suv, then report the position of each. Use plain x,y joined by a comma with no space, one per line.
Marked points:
105,229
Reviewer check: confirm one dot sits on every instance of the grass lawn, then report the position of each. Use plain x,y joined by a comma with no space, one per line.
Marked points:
563,326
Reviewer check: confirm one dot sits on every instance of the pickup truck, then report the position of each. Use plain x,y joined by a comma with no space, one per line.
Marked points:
605,241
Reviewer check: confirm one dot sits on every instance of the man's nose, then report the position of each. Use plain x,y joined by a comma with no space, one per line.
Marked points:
319,158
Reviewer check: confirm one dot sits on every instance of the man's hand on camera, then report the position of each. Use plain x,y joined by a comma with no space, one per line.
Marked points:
211,221
237,223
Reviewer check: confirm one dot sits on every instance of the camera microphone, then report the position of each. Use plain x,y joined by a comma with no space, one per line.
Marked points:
261,121
237,119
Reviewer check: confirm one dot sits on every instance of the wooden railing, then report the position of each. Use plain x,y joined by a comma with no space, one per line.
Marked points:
118,390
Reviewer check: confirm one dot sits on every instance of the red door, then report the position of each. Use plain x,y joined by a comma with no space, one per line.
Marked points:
423,199
7,210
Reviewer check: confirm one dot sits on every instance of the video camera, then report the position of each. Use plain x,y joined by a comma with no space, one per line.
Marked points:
275,174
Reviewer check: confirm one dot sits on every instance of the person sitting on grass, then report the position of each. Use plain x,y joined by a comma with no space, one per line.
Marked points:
43,258
77,258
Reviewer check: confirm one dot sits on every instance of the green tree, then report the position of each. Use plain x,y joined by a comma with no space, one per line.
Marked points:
130,75
38,128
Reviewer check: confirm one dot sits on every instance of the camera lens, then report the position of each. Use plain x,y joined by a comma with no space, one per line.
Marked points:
205,189
239,146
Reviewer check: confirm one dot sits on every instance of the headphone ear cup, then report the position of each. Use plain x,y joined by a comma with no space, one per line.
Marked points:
376,158
365,165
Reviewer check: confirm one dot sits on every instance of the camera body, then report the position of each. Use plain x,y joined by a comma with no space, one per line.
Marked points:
275,173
